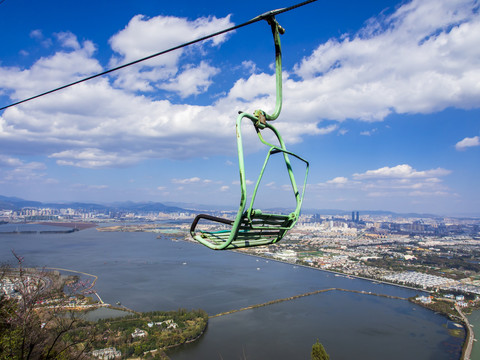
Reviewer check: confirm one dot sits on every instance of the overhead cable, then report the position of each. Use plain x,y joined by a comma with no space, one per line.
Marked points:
254,20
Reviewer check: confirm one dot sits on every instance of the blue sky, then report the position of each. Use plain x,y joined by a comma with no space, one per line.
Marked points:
382,97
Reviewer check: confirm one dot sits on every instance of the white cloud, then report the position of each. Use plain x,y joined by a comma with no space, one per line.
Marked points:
89,158
68,40
36,34
250,66
248,182
18,171
224,188
422,58
427,193
50,72
187,180
401,181
340,180
467,142
145,36
192,81
368,132
395,63
327,130
399,172
7,161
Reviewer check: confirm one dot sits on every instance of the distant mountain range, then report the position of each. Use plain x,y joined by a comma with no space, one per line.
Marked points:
14,203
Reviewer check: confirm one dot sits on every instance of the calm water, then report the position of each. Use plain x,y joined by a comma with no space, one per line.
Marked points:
6,228
145,273
474,319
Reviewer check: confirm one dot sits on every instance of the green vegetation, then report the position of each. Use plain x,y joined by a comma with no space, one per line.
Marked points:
457,262
444,307
156,331
318,352
457,267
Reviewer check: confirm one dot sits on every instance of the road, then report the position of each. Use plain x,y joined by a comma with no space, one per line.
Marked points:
470,335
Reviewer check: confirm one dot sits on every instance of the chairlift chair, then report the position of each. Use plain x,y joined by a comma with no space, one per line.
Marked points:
253,227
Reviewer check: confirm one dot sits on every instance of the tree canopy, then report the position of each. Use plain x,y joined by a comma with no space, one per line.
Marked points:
318,352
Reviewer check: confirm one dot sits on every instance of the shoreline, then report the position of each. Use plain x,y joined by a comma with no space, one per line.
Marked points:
318,269
469,336
337,272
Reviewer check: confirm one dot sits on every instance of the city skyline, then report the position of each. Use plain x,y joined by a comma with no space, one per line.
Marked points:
381,98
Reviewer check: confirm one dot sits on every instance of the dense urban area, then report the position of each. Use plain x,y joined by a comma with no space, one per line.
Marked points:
439,255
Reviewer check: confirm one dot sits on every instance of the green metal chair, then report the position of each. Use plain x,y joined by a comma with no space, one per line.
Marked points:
252,227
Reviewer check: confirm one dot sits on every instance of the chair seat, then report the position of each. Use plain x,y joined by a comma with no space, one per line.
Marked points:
259,229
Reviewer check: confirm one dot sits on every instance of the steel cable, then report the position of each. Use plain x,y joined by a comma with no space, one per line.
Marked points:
254,20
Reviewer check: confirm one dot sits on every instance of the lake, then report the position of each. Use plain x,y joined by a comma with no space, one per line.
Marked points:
147,273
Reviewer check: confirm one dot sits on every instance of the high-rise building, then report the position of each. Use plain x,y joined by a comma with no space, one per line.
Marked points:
357,219
353,216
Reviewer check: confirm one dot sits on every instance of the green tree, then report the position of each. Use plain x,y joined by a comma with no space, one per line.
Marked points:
318,352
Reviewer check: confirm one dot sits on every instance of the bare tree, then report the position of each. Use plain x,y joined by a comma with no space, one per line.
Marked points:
33,321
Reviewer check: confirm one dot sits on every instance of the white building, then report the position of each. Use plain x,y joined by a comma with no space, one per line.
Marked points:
139,333
107,354
287,255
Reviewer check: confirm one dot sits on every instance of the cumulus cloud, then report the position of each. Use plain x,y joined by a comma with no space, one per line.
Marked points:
396,181
68,40
422,58
145,36
193,80
89,158
50,72
467,142
395,63
98,123
339,180
403,171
